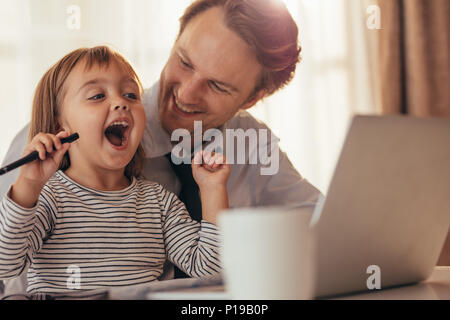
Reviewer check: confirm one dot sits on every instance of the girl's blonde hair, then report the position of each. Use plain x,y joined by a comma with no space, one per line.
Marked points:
49,96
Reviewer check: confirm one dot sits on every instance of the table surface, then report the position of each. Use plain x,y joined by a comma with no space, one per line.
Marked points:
436,287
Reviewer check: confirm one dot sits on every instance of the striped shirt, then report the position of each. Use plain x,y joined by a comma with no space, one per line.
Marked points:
77,238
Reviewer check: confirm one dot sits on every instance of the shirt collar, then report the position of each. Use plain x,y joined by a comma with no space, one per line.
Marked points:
156,141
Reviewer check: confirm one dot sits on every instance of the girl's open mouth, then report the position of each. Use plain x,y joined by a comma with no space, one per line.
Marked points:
117,134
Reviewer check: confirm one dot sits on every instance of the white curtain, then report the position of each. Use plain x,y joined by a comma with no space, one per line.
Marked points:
334,80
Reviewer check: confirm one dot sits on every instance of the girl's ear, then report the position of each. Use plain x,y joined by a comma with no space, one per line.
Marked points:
60,124
58,128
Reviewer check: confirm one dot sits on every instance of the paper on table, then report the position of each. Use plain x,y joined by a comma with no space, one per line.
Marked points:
206,293
141,292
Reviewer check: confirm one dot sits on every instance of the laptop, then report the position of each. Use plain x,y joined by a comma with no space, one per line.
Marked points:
387,211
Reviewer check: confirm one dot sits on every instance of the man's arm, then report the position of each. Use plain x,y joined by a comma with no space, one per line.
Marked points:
288,187
273,180
15,151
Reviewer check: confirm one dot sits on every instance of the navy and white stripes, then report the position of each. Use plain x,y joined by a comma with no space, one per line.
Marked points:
115,238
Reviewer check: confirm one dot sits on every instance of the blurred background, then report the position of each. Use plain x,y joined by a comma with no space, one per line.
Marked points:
339,76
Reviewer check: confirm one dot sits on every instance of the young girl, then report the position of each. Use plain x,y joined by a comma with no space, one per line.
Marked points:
81,218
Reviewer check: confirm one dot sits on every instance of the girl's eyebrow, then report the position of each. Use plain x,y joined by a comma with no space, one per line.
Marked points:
104,80
130,80
91,82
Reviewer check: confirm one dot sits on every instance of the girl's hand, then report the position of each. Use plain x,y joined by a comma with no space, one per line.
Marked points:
51,152
34,175
210,170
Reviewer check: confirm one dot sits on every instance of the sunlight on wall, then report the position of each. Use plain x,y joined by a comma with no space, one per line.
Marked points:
310,115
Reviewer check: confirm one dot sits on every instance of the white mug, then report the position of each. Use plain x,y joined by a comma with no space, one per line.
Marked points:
267,253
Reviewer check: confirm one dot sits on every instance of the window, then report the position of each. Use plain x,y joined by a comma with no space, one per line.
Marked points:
310,115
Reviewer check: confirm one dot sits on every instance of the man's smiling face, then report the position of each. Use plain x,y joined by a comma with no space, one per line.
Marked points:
209,76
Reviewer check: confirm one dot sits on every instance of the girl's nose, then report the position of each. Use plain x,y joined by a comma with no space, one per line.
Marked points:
125,107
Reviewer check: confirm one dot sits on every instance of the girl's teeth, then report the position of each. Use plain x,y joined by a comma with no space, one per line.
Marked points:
120,123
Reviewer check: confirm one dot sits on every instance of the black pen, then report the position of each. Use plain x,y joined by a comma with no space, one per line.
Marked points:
34,155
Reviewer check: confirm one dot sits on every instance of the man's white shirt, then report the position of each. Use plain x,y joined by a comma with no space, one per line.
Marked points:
246,187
